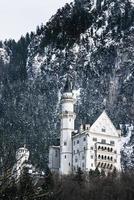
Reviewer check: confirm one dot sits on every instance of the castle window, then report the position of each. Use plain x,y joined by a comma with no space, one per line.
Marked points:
95,139
103,141
112,142
84,139
56,153
111,166
103,130
77,141
65,143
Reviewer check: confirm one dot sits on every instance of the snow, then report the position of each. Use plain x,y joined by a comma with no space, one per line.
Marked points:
125,140
76,48
132,2
53,57
4,56
99,31
76,94
37,62
128,78
126,148
94,4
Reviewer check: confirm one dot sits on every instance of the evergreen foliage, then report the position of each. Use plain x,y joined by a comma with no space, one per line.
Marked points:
108,187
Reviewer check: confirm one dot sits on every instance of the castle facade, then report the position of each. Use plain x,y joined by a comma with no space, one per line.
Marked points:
92,146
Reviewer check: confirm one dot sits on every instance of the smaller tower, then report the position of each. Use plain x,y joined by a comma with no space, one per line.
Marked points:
22,156
67,127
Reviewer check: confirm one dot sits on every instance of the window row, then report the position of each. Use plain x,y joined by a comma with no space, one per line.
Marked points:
105,157
84,148
105,148
103,141
105,165
77,142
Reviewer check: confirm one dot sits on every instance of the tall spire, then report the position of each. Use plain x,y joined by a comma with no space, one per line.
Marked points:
68,84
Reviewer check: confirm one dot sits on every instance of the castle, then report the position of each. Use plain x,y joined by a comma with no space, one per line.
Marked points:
93,146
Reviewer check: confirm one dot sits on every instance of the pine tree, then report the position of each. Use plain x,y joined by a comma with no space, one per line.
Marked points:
79,176
26,188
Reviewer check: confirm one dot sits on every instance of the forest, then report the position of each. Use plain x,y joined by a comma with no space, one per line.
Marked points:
93,185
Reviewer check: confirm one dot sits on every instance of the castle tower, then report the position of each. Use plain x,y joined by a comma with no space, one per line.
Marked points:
22,156
67,127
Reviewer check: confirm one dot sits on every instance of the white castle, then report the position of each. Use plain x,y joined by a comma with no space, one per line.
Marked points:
95,146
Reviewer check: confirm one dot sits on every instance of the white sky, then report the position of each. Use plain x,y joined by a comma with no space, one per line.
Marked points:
20,16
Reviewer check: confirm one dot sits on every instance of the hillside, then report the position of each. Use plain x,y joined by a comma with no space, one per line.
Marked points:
92,40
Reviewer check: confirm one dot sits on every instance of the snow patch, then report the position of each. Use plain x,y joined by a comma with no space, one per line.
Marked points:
76,94
132,2
4,56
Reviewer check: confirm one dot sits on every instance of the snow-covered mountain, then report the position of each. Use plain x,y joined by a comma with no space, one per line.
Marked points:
91,39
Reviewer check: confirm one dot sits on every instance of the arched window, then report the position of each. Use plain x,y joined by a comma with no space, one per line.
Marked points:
99,156
111,166
111,158
105,157
104,165
102,156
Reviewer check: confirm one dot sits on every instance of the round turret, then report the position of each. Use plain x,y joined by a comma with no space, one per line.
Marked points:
22,153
